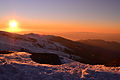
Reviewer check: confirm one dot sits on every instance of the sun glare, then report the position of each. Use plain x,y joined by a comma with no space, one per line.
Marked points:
13,26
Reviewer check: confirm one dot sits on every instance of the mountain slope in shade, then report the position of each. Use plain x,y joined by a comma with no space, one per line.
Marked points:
89,53
19,65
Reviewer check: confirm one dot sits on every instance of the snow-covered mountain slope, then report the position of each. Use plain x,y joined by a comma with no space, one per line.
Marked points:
19,66
35,43
30,43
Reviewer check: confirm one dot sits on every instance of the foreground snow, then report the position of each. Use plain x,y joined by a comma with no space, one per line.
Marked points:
19,66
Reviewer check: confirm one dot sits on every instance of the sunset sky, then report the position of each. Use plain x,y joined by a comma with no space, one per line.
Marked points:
101,16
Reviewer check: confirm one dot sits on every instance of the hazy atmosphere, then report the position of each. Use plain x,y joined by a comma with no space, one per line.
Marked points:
51,16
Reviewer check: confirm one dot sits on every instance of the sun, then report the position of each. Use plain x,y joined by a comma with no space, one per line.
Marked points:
13,26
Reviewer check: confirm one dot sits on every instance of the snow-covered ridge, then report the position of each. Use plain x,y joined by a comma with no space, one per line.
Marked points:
19,65
33,42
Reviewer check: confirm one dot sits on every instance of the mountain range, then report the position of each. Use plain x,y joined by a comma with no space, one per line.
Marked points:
86,51
35,49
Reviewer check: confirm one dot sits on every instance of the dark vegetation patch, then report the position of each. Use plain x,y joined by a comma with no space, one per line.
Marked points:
46,58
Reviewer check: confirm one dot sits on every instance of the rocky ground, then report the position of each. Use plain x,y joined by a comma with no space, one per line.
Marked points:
19,66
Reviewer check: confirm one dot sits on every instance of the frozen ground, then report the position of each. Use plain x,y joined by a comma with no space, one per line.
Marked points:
19,66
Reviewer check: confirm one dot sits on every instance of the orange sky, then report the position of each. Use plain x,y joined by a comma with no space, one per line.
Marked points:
53,16
45,26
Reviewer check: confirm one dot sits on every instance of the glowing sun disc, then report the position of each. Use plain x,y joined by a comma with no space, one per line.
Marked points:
13,26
